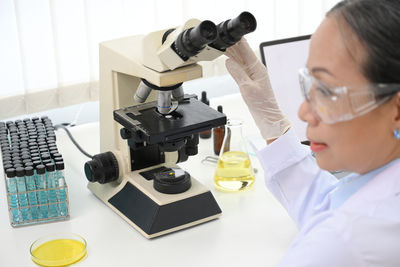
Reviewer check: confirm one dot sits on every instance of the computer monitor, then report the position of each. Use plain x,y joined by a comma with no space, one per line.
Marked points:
283,59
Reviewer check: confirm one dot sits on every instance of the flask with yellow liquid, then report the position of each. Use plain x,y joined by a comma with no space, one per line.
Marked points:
234,171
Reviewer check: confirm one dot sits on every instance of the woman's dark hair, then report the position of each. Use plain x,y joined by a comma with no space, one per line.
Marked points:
376,24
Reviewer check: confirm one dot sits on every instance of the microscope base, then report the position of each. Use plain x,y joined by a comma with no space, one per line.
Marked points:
153,213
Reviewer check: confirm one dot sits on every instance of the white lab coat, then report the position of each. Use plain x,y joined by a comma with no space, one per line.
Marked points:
363,231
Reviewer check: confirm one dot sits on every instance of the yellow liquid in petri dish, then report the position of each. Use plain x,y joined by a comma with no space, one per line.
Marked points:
59,252
234,172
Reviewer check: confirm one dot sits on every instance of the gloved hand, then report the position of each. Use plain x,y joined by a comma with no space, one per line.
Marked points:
253,81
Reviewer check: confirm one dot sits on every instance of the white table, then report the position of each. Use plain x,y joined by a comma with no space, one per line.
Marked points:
254,230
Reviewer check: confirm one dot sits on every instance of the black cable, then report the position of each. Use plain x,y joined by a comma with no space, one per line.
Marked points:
62,126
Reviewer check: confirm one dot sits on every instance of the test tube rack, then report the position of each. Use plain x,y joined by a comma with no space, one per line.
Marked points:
33,172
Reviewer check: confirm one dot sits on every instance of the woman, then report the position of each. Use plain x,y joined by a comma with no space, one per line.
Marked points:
352,109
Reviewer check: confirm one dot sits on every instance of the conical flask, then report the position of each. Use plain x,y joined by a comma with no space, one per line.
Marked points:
234,171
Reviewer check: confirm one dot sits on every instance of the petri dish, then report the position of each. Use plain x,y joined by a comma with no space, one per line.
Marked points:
60,249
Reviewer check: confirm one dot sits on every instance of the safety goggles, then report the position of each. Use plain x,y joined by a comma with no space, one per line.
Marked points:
335,104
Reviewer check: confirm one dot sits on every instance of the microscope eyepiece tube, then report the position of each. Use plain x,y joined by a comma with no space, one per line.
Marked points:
191,41
164,102
241,25
142,92
231,31
178,93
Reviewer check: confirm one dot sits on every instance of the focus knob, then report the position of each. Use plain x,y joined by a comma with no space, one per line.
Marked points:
103,168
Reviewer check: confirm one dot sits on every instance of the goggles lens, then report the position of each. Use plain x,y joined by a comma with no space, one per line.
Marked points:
335,104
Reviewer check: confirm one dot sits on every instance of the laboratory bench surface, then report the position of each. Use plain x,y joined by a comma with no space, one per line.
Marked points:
253,230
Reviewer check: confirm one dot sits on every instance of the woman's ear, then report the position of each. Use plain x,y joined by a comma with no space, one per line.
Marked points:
396,102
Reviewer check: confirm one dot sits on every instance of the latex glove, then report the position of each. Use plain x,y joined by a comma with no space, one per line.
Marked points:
253,81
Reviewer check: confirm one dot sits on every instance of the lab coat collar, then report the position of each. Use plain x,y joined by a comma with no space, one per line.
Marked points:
385,185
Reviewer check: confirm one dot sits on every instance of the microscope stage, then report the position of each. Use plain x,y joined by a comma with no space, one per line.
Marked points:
191,117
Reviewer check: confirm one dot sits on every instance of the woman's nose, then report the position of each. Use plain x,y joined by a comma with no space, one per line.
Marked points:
306,114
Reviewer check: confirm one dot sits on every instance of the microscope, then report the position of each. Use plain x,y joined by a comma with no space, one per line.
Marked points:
148,124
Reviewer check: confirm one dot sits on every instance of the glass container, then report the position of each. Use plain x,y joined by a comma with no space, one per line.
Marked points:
60,249
234,170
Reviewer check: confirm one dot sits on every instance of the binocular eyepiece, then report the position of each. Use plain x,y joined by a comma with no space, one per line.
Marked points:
191,41
231,31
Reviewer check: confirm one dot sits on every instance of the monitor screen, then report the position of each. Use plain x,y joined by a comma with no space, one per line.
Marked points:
283,59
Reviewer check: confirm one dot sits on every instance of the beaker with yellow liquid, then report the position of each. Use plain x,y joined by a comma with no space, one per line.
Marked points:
234,171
